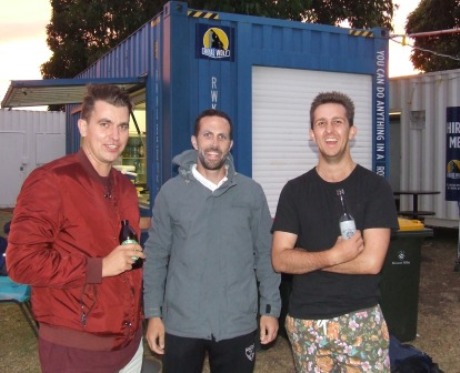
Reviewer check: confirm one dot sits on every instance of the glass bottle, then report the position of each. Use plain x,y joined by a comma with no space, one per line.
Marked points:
127,236
346,221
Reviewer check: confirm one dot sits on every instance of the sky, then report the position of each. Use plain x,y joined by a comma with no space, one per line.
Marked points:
23,45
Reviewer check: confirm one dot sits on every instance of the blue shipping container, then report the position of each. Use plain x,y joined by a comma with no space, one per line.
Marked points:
263,72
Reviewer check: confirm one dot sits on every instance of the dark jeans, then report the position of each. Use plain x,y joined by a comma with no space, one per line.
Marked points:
186,355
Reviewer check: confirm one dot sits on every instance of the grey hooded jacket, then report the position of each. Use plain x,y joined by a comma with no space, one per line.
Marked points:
208,264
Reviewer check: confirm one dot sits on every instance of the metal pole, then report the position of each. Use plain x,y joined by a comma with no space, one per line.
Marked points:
457,262
434,33
427,33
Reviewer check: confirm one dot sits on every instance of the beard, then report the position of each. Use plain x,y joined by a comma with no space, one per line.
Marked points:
212,165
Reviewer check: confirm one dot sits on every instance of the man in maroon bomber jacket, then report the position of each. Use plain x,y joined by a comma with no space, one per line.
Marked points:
64,243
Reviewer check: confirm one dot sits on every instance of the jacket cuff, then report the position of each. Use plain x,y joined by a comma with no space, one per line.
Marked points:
94,271
152,312
269,310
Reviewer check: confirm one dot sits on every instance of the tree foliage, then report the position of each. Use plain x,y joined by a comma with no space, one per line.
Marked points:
359,14
81,31
431,53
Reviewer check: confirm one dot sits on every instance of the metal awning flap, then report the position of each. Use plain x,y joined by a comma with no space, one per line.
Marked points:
22,93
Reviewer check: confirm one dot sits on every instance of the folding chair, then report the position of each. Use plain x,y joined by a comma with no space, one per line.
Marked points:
12,292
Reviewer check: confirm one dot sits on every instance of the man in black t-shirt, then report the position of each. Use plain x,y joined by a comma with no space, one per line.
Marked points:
335,323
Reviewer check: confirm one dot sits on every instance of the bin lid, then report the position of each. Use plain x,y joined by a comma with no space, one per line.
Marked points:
410,224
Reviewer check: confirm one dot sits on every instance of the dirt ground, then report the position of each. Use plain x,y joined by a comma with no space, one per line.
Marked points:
438,333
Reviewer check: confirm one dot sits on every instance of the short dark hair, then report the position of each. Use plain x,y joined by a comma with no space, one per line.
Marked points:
212,113
110,93
333,98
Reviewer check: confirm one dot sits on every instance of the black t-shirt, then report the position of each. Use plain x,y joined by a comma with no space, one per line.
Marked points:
3,244
310,208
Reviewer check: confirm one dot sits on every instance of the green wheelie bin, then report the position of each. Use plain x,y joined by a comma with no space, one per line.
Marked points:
400,277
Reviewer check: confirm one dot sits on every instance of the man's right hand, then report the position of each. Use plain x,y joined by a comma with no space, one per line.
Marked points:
121,259
155,335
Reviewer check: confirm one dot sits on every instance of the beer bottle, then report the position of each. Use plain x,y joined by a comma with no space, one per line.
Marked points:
128,236
346,221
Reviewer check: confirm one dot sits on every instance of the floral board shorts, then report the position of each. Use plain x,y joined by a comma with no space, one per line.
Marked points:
351,343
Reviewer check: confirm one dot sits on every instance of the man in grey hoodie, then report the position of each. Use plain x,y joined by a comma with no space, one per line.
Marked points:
208,271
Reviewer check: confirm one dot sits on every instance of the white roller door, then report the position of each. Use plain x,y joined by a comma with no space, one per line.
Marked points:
281,148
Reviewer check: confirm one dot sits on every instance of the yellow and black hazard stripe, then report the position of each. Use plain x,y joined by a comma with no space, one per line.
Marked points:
362,33
201,14
155,22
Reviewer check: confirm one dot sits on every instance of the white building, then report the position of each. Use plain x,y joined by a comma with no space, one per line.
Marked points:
418,140
28,139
